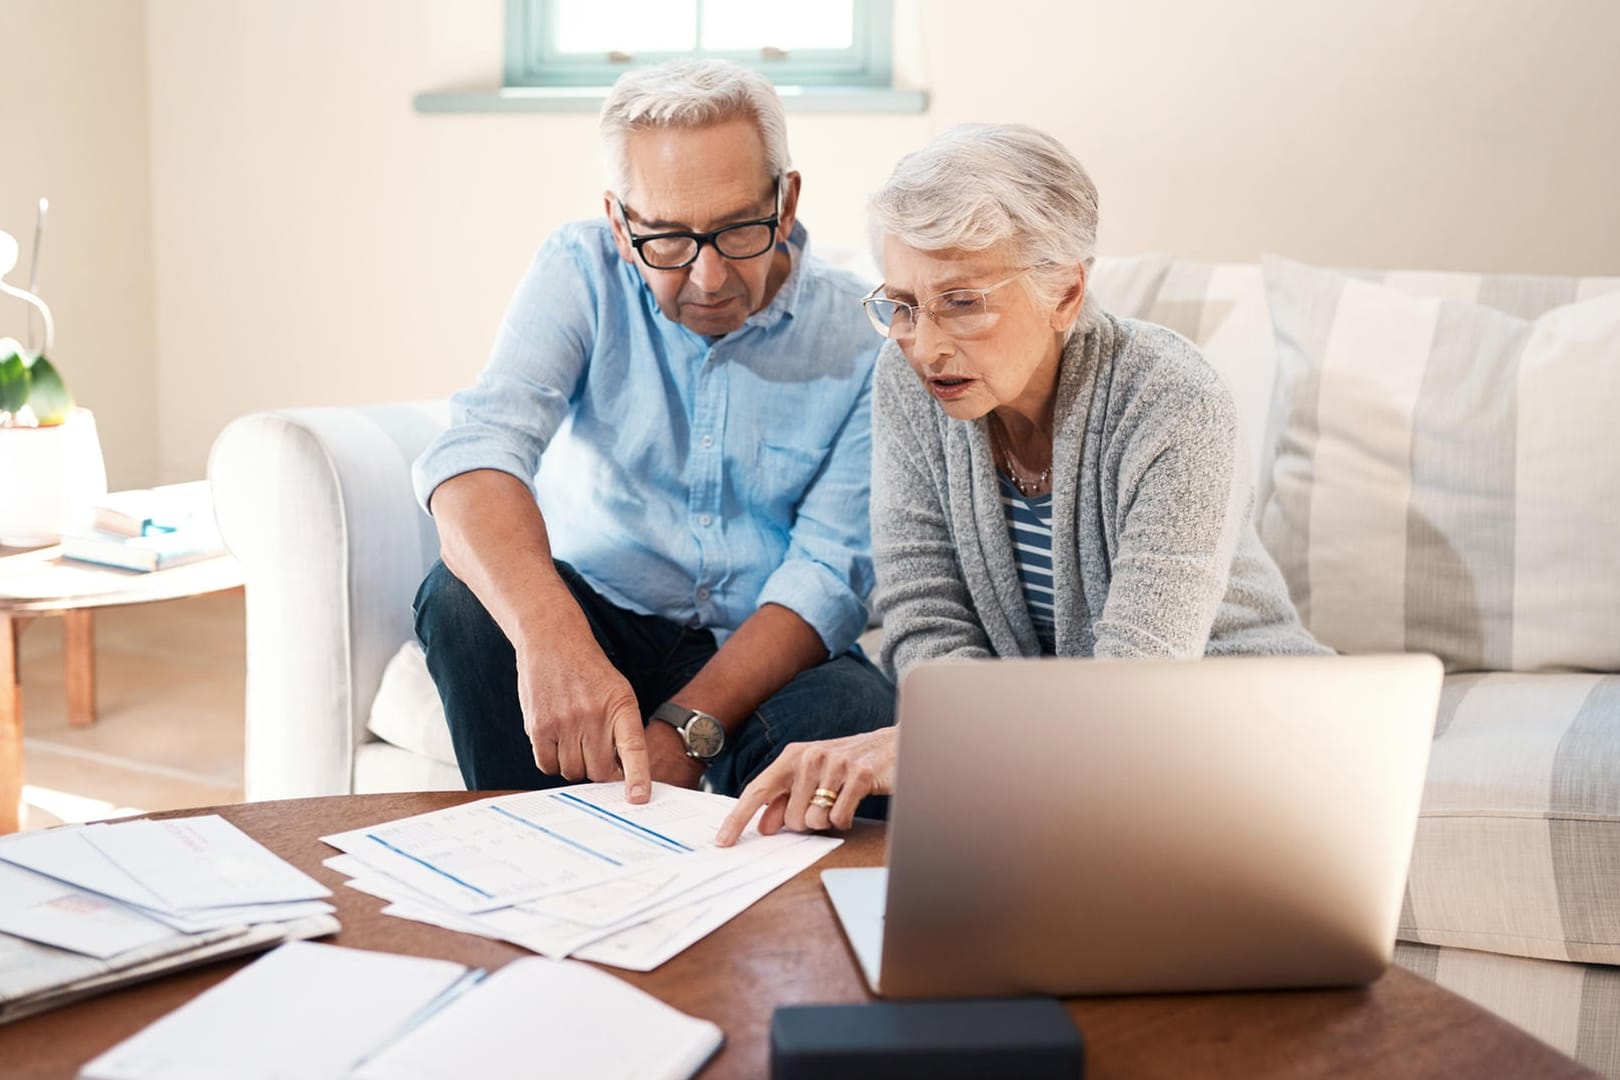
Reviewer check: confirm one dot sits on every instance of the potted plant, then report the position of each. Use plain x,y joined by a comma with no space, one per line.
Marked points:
51,471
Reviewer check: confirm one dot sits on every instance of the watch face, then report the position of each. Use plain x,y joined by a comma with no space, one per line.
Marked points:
704,736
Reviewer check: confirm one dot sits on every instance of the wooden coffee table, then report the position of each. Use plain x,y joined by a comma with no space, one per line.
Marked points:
788,949
38,581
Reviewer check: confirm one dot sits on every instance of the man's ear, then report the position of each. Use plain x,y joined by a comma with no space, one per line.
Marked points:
792,184
1068,308
621,239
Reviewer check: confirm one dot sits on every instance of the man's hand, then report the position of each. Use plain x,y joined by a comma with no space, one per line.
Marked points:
853,767
666,757
581,715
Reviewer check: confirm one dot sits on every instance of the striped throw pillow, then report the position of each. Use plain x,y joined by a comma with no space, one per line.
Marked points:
1445,475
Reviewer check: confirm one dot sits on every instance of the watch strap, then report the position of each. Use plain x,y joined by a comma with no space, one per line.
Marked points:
674,715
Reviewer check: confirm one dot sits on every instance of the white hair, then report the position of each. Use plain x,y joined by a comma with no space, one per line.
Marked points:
979,186
689,93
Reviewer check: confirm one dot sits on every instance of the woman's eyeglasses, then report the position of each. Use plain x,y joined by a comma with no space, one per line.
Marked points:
957,312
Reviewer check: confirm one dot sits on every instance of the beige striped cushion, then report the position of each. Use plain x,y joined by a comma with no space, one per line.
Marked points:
1518,841
1573,1007
1446,476
1221,308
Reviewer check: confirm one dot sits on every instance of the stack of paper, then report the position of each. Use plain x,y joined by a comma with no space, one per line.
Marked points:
321,1012
576,871
84,908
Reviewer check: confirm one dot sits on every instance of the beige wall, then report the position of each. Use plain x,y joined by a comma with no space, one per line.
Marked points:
319,242
73,128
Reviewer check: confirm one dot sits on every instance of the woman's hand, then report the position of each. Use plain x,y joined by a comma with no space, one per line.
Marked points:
854,767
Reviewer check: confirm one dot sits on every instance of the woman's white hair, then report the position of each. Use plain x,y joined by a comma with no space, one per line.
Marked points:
979,186
689,94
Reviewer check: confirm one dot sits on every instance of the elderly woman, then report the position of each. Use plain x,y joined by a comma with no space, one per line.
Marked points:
1047,479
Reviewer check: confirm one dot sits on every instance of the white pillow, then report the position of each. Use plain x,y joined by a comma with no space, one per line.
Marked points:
407,712
1446,476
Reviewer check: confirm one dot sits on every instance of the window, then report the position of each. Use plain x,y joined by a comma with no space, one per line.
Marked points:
590,42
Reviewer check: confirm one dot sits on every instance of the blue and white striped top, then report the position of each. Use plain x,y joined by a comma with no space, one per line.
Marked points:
1029,523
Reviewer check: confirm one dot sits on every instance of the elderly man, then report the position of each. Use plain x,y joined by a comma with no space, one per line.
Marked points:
652,506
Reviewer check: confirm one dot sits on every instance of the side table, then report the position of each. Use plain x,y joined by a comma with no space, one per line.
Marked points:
37,582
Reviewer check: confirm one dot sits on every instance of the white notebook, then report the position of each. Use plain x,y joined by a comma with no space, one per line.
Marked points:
540,1017
324,1012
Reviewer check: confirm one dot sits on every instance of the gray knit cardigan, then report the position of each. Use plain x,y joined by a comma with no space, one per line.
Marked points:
1153,549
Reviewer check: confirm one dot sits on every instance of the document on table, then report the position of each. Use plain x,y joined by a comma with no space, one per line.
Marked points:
685,921
323,1012
640,942
304,1010
35,977
554,1018
51,912
65,853
477,869
513,848
202,862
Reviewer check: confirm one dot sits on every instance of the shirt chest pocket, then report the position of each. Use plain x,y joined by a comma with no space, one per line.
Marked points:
779,476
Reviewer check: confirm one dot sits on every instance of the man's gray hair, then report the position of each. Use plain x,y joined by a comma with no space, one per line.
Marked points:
689,94
979,186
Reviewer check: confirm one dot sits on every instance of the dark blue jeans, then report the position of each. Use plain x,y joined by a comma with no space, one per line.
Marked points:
475,668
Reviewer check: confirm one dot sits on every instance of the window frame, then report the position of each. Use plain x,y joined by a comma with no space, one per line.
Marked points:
531,60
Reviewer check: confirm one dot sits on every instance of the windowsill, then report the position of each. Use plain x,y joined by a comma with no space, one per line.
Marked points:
588,99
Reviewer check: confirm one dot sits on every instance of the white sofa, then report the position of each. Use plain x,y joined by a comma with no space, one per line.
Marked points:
1514,895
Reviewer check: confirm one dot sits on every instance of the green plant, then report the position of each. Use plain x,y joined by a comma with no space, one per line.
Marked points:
32,392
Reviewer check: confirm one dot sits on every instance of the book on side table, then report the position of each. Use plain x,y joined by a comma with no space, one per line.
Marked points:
154,551
149,529
143,511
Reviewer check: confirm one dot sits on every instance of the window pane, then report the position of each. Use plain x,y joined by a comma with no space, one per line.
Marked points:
781,24
630,26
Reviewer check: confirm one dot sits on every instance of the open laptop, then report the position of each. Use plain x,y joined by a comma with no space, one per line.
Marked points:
1100,827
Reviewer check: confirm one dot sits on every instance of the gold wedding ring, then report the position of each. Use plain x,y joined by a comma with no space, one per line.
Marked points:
824,798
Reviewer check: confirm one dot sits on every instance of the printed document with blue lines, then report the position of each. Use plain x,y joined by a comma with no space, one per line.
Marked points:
514,848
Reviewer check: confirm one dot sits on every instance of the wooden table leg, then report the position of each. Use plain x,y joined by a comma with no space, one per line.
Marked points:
79,655
11,728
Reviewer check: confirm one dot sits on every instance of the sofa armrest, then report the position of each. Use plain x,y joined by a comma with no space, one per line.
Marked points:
318,507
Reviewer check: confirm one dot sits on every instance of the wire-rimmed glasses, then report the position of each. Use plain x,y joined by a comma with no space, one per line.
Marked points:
674,250
957,312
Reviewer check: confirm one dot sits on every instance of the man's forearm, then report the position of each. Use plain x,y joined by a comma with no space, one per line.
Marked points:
771,646
493,537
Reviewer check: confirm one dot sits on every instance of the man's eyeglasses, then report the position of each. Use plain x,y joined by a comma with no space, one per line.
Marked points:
957,312
673,250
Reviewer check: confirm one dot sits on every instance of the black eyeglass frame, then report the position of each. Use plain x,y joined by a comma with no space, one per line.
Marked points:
638,242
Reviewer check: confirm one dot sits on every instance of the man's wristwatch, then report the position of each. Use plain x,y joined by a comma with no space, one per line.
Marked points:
702,733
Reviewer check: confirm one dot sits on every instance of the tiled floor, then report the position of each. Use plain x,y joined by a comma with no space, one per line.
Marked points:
170,689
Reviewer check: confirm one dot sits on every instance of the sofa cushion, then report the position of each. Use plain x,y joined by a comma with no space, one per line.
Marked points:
1127,286
381,766
1222,308
407,712
1446,479
1518,840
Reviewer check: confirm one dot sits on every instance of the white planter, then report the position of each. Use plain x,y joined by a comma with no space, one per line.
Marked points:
50,479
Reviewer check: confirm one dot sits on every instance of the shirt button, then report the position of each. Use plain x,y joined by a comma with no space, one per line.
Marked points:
705,520
703,594
695,622
708,441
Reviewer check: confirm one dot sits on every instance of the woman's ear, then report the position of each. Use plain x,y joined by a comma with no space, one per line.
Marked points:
1074,297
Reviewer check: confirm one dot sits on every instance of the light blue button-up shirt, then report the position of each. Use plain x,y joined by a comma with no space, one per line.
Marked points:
688,477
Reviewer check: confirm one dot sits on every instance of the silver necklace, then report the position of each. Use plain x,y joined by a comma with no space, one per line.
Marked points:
1026,488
